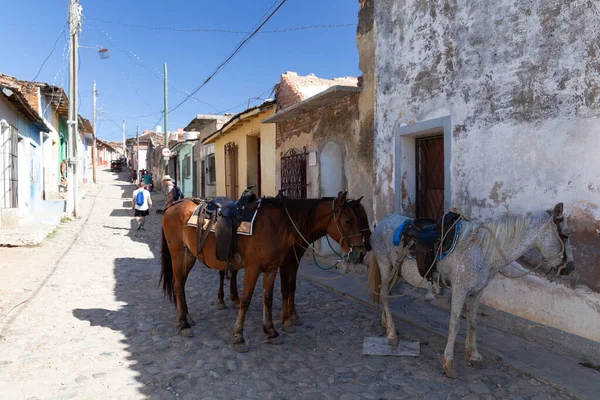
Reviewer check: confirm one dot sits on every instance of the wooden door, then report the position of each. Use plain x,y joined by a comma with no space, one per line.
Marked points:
430,177
231,168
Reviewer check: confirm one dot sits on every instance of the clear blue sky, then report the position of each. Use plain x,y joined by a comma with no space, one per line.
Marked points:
130,83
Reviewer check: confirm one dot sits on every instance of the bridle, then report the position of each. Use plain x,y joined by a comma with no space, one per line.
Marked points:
563,237
340,228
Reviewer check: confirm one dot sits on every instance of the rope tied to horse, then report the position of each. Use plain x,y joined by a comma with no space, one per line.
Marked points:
311,246
495,241
396,273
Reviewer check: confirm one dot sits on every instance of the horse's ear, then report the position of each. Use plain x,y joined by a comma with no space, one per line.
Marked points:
359,199
558,210
341,199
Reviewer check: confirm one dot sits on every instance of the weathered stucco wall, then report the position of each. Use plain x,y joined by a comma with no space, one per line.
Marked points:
336,122
365,43
521,84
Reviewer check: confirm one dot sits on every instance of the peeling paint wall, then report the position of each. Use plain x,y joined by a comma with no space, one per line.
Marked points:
336,122
521,83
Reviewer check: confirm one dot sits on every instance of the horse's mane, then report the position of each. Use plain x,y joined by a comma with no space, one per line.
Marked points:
505,232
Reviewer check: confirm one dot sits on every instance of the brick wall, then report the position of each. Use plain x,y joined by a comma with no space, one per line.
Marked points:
294,88
307,122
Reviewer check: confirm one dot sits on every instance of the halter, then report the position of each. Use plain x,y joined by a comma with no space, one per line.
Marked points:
341,230
562,236
562,253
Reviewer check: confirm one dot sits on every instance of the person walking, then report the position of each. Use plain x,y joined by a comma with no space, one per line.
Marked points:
146,177
168,189
142,203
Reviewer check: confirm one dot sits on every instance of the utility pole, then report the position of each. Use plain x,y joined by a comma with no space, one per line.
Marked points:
74,21
94,151
124,151
166,118
137,153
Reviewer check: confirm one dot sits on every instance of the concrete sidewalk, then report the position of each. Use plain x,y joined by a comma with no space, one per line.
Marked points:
537,359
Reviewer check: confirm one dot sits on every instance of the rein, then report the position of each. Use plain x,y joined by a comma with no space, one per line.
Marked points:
311,245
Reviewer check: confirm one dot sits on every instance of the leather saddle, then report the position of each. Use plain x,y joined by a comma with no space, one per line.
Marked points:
225,215
426,234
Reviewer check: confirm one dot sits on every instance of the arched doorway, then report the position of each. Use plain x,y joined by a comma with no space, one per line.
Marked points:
331,183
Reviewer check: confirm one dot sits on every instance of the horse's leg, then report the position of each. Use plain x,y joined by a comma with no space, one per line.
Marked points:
221,295
250,278
268,283
188,263
292,284
233,289
459,294
473,356
387,319
284,277
180,273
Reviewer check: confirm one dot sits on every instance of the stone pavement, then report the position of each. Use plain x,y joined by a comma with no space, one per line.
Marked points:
82,317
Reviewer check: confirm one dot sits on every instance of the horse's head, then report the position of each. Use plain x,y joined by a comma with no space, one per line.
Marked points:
555,244
345,228
363,221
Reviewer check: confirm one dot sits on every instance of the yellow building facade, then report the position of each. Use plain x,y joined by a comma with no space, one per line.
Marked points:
245,153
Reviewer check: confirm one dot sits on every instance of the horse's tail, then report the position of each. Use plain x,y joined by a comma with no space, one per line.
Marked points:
374,281
166,271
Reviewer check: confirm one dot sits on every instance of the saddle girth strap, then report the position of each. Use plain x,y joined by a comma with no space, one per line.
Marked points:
202,233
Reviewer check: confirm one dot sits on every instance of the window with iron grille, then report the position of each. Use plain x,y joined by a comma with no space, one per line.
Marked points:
293,173
211,171
9,184
187,167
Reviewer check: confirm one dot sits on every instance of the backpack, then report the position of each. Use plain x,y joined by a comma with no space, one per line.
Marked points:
139,198
177,195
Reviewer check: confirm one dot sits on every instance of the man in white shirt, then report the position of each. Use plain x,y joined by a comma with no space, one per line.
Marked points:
142,202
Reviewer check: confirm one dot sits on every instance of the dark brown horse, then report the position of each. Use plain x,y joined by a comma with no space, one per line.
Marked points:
275,233
289,270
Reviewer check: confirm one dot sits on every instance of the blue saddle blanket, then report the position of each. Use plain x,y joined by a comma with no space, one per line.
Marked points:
399,231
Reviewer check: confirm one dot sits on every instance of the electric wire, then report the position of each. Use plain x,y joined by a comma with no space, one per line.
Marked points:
51,52
239,47
214,30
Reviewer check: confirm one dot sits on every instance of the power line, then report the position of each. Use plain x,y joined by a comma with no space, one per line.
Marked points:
49,55
204,30
158,74
259,97
229,58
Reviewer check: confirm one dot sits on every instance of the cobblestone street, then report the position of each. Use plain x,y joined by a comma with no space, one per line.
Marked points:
82,317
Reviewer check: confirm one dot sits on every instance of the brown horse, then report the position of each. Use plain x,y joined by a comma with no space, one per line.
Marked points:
274,235
289,270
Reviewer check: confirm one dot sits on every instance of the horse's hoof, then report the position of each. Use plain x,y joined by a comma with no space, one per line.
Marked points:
477,364
188,332
298,322
449,369
240,347
393,341
221,306
236,305
275,341
289,329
